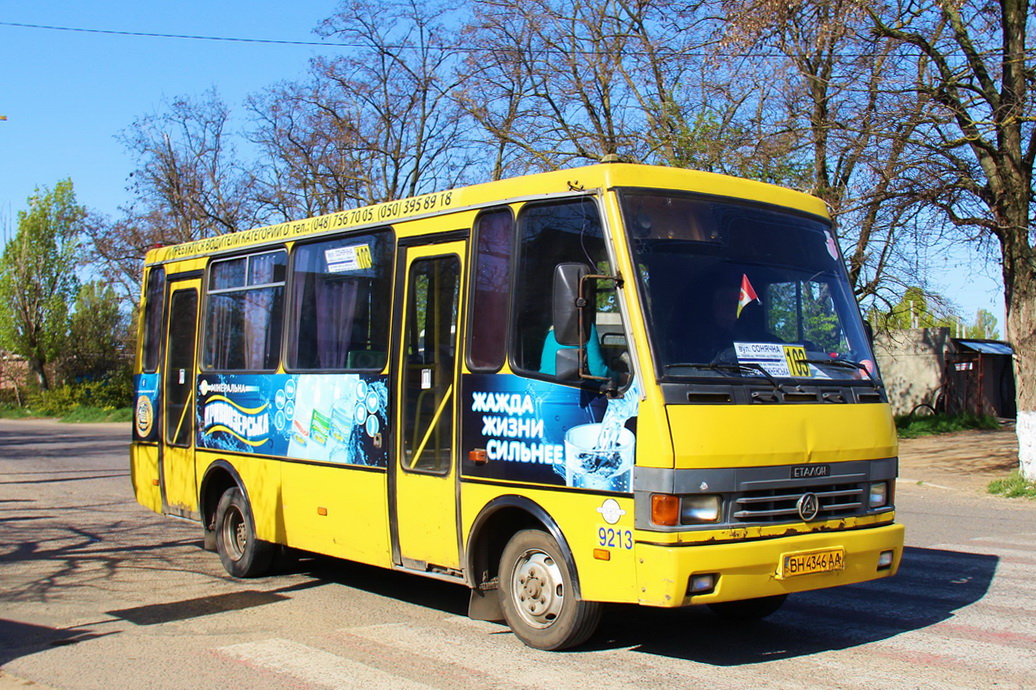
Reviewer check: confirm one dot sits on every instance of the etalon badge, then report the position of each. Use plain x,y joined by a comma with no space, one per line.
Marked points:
808,506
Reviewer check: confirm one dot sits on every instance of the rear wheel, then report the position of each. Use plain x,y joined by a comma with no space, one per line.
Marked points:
748,609
242,554
538,597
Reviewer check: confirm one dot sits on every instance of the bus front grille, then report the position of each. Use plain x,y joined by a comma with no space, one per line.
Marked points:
781,504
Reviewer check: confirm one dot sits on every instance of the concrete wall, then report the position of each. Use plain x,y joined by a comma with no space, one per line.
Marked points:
912,362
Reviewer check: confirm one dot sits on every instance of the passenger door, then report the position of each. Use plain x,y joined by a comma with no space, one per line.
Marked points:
424,488
177,471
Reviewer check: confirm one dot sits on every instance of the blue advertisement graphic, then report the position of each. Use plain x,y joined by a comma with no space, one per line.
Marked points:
146,403
542,432
324,417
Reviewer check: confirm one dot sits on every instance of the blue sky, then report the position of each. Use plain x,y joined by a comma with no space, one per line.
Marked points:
67,94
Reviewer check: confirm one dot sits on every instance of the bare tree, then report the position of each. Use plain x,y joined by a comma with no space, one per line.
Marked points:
188,185
553,84
390,94
497,89
311,159
188,170
544,82
979,138
852,130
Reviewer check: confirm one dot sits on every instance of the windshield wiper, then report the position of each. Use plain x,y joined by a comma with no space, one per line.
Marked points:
845,364
723,366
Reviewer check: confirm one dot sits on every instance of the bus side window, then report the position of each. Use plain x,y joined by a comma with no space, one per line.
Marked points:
153,308
244,306
340,303
490,290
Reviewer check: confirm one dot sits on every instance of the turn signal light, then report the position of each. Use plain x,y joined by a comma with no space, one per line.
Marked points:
665,509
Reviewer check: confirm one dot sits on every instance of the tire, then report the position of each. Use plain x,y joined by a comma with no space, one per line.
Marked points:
922,410
242,554
537,594
748,609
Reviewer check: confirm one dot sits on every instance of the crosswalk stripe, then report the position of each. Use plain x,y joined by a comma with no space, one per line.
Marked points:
957,614
315,666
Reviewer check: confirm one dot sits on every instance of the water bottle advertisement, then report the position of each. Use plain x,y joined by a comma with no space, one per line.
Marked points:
542,432
324,417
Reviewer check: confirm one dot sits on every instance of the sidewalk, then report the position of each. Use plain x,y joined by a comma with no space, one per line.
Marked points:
963,461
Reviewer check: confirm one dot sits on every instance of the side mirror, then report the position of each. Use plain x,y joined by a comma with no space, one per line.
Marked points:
568,303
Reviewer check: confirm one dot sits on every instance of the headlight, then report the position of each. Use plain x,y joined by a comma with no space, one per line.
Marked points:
879,494
698,509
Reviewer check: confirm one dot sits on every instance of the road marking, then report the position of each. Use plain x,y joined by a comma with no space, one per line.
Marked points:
517,666
315,666
958,614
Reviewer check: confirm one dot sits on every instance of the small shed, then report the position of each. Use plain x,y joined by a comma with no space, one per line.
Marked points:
980,378
928,368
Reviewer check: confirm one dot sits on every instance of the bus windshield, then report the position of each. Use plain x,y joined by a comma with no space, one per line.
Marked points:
740,290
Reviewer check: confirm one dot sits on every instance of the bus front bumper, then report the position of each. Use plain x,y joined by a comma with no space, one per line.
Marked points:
679,575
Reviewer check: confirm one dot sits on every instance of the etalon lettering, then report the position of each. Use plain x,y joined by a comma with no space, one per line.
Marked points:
808,471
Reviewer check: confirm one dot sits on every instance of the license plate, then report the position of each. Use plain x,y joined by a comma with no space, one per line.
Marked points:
810,562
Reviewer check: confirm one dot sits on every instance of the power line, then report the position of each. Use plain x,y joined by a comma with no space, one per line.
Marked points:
326,44
190,37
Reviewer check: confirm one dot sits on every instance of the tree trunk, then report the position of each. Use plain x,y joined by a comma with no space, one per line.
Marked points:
1021,333
38,369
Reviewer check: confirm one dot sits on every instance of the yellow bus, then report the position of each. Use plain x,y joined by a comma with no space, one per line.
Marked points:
612,384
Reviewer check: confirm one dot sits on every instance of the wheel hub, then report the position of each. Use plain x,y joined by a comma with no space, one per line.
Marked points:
235,535
538,588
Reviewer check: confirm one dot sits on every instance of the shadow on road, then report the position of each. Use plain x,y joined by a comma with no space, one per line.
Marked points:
21,639
930,587
32,442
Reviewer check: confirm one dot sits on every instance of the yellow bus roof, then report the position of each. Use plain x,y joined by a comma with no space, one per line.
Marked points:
525,188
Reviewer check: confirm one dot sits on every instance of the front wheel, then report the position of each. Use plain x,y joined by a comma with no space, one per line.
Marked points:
242,554
538,597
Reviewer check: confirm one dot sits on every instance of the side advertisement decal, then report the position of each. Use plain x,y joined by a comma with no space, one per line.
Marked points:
542,432
326,417
145,406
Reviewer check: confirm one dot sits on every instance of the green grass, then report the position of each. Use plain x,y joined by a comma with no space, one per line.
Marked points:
1015,486
82,414
914,426
15,412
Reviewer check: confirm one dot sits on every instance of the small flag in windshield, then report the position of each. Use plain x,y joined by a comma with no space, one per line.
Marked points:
747,295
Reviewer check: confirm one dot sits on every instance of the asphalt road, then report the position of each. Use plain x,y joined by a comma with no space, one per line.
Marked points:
97,592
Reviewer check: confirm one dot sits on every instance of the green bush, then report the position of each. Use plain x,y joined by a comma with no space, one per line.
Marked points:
107,394
12,411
